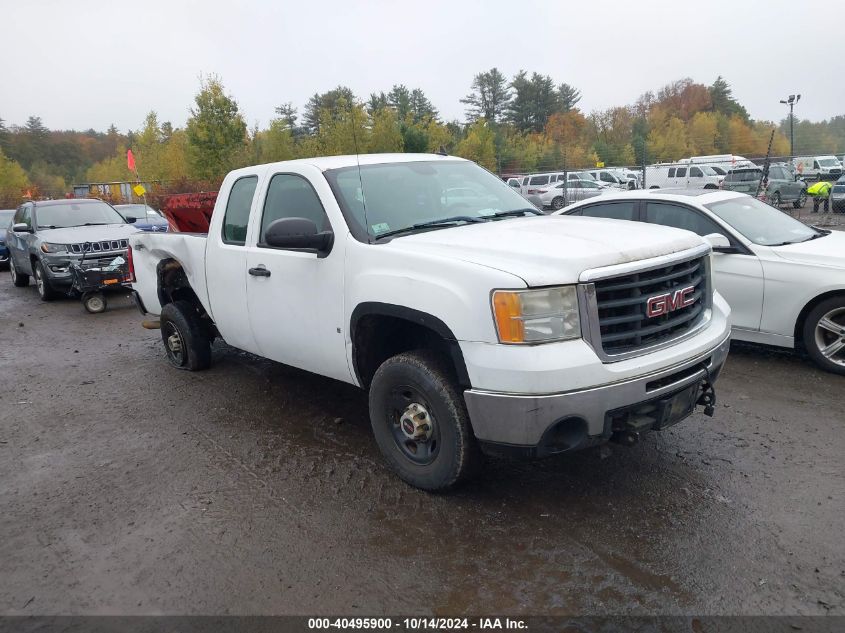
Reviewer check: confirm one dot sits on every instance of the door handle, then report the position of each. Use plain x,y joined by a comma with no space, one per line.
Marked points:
260,271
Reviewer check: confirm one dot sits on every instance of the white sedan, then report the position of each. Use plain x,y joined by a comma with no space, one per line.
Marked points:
555,197
784,281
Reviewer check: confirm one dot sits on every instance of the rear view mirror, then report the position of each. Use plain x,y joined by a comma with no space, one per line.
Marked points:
20,227
718,242
299,234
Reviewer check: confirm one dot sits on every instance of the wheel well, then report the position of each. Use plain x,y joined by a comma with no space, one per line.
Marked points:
802,316
377,337
173,285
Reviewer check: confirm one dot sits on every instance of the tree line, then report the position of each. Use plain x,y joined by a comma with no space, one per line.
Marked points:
522,124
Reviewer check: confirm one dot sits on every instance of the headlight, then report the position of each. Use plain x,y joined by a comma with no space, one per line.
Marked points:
537,316
47,247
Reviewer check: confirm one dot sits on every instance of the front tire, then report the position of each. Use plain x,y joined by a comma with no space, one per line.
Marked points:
19,279
186,342
801,201
42,283
824,335
420,421
775,200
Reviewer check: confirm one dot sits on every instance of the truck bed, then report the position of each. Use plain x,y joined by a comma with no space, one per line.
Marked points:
148,249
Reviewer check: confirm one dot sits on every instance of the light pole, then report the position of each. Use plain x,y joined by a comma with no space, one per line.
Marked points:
791,101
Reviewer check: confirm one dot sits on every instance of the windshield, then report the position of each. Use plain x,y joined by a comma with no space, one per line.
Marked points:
828,162
708,171
6,217
745,175
138,211
400,195
61,215
761,223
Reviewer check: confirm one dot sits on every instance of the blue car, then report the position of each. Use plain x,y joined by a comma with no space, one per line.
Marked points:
142,217
6,216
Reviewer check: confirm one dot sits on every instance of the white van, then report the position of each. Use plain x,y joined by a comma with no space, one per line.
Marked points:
683,175
725,161
818,167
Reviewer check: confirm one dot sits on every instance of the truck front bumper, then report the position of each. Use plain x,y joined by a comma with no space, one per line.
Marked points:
534,425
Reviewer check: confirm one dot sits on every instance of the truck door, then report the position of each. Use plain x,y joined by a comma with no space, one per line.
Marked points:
226,264
296,297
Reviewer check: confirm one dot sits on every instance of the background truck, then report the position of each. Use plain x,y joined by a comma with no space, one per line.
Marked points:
474,324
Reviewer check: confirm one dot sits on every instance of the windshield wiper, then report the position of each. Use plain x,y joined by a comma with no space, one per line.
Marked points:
47,226
513,213
433,224
95,224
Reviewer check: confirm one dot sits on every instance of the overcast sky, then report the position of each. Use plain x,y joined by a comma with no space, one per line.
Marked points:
90,63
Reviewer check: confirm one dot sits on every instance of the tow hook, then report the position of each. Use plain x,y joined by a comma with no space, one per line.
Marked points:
707,399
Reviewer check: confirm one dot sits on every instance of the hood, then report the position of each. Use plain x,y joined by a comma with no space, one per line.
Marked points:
823,251
550,250
80,234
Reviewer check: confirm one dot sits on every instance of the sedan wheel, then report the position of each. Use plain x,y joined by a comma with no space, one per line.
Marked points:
557,203
824,334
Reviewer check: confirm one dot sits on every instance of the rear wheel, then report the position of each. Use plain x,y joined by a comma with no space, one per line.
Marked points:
45,290
420,421
801,201
19,279
775,199
186,342
824,335
557,203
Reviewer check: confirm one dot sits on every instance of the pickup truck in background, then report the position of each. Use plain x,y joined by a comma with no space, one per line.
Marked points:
475,325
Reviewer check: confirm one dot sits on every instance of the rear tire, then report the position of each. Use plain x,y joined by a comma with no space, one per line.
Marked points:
775,200
19,279
557,203
42,283
186,342
420,385
824,335
801,201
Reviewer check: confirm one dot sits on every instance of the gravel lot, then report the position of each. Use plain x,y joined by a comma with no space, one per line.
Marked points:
127,487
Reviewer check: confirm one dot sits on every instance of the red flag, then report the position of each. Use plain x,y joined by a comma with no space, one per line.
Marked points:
28,194
130,160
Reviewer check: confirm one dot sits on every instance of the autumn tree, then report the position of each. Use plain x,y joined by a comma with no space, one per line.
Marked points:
216,132
13,182
479,145
314,112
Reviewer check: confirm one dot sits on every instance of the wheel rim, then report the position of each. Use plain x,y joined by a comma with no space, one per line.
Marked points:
174,344
39,281
557,203
830,336
96,304
415,432
13,272
776,200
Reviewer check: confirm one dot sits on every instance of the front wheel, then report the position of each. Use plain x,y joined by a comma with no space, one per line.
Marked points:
420,421
557,203
801,201
824,335
775,200
45,290
185,340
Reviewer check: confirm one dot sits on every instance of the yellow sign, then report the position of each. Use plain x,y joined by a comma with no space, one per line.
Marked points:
139,190
600,164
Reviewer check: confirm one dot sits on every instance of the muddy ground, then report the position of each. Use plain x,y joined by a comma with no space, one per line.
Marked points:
127,487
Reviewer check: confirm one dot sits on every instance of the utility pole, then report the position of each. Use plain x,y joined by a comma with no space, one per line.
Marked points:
791,101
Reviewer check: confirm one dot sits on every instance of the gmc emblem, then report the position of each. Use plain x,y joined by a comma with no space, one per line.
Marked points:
659,305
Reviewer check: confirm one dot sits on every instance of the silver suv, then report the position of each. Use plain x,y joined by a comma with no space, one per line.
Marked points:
783,186
46,236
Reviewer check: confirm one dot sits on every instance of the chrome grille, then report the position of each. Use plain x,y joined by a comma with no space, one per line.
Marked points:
99,247
624,326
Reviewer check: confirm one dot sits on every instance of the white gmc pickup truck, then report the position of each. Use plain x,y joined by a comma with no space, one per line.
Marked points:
475,325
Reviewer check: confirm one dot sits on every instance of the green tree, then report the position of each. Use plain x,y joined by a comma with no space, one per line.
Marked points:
313,115
216,132
568,96
13,181
399,98
421,107
479,145
385,135
722,100
277,141
535,99
489,97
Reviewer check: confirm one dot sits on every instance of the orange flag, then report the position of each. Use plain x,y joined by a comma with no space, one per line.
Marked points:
130,160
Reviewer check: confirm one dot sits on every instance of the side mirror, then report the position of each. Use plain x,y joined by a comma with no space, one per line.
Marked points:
20,227
719,243
298,234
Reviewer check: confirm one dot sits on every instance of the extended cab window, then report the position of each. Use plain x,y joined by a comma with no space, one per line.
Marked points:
680,217
237,210
614,211
292,196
